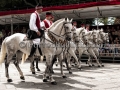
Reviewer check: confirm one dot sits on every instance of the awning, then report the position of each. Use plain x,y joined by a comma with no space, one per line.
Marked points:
75,11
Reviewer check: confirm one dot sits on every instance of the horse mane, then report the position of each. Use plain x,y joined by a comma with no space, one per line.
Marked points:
78,30
54,24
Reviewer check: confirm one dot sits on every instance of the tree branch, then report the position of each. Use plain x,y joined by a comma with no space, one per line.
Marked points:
36,2
29,3
40,1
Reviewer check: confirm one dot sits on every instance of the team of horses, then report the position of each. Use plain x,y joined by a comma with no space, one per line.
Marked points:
60,41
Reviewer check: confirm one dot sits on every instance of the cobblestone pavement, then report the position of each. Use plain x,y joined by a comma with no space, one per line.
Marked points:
89,78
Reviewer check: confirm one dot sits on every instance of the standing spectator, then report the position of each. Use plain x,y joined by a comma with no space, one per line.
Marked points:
117,48
116,40
4,34
24,30
83,25
118,29
108,29
112,47
113,33
87,27
74,24
110,39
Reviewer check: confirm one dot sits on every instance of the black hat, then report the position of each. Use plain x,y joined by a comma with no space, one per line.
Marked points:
48,14
39,6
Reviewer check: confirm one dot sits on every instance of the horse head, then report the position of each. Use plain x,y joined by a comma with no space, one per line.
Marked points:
67,27
104,36
75,36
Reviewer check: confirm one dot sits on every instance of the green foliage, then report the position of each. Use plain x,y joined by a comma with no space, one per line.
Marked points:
106,20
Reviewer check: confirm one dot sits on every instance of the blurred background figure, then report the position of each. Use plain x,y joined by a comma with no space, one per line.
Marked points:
87,27
74,24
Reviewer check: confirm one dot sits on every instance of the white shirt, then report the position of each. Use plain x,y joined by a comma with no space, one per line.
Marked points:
32,23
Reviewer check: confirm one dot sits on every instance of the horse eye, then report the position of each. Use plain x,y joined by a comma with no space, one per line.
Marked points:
66,27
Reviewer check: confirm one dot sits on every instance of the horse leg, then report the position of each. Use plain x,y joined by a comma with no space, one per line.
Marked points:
7,62
16,63
61,65
45,74
75,57
37,59
98,55
67,62
80,54
90,50
89,59
48,69
32,65
53,61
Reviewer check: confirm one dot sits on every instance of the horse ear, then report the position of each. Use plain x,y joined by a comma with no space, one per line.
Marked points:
66,19
71,20
101,29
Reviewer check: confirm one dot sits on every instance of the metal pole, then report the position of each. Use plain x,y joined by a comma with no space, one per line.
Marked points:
97,19
11,24
97,15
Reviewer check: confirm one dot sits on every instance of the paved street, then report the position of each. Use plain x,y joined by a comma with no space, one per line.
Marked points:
89,78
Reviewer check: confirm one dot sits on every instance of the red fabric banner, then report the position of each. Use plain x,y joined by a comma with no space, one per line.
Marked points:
64,7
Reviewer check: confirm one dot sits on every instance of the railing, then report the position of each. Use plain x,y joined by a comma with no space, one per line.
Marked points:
109,53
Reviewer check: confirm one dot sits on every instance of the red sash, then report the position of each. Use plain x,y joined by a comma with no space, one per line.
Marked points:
37,21
46,24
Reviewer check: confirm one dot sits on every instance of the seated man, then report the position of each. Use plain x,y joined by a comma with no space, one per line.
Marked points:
35,32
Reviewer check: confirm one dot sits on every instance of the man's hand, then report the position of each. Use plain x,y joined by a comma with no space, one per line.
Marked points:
38,33
43,28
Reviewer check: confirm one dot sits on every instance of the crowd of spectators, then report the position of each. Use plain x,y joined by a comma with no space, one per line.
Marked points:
113,48
4,33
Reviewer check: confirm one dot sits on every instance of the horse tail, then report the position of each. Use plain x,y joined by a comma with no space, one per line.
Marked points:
41,58
3,51
24,57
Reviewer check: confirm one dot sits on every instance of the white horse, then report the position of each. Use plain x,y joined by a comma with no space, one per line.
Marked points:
13,43
93,48
101,38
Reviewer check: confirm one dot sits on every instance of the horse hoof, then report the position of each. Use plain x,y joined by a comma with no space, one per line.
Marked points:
70,72
9,80
52,72
90,66
33,72
72,65
45,80
79,68
64,76
102,65
48,77
99,66
22,77
63,65
38,69
56,65
93,65
54,83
